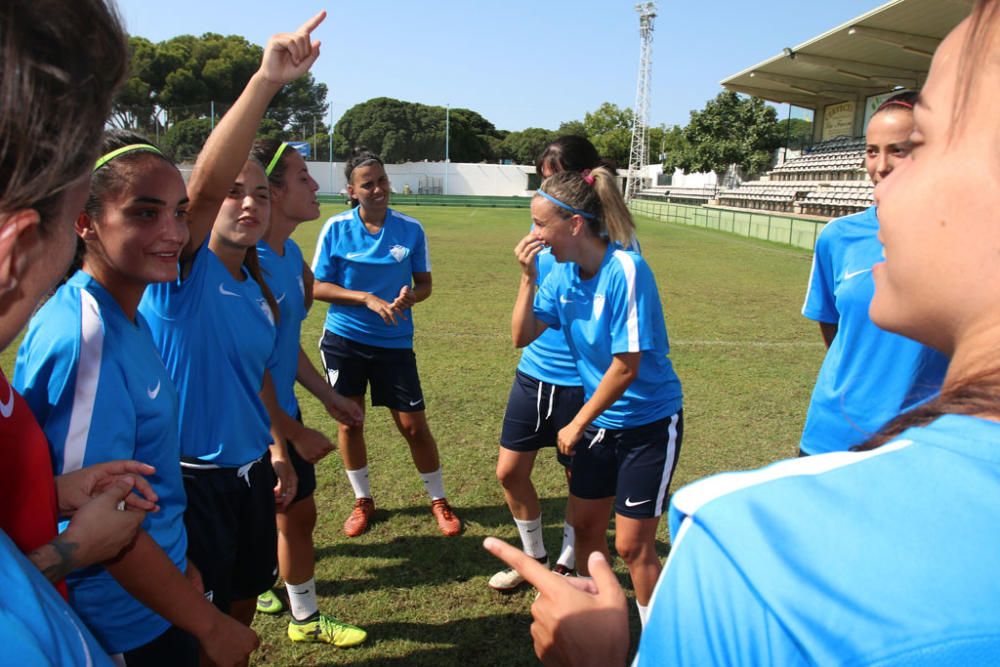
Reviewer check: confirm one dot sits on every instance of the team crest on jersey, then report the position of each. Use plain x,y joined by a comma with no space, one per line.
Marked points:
264,306
399,252
598,305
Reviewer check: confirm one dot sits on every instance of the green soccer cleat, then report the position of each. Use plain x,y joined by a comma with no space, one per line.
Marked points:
269,603
323,628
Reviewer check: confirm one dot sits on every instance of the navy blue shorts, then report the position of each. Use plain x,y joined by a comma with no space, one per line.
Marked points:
634,465
536,411
306,471
391,372
232,537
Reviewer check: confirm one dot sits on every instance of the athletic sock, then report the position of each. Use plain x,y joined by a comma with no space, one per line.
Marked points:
302,599
567,556
434,484
359,482
531,536
643,613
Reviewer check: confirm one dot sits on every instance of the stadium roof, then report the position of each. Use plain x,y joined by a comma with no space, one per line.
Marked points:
888,47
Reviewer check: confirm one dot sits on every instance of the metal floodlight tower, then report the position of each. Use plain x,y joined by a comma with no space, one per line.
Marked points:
637,154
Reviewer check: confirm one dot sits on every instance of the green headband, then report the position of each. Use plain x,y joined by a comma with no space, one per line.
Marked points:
274,160
131,148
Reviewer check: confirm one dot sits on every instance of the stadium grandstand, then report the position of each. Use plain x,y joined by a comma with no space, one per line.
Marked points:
842,76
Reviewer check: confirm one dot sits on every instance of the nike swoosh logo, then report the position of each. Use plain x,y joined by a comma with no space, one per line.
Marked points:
848,276
225,292
7,408
352,255
563,299
629,503
531,530
417,402
154,392
280,299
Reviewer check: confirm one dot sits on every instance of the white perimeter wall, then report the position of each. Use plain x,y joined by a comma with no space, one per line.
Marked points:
463,178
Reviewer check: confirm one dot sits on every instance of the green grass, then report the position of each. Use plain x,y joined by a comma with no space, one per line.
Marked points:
747,360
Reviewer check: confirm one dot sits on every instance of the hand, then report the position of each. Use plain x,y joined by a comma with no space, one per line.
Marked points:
284,490
526,250
99,530
568,437
227,642
289,55
344,410
75,489
194,578
575,623
405,300
383,309
311,444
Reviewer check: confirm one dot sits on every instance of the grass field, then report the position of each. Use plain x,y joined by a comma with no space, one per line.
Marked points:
745,356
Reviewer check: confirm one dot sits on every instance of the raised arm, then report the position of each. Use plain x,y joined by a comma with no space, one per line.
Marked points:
287,56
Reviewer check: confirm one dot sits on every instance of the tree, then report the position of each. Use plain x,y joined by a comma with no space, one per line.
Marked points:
400,131
186,137
180,79
609,128
730,130
524,146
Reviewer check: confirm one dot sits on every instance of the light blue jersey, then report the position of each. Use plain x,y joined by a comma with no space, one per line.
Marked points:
615,312
283,274
886,557
548,357
869,375
37,627
97,386
216,336
348,255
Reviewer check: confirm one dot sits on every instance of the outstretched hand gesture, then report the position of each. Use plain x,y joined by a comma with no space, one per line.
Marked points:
289,55
578,622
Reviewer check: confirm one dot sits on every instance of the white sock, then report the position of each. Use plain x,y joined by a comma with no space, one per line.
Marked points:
531,536
643,613
359,482
567,556
434,483
302,598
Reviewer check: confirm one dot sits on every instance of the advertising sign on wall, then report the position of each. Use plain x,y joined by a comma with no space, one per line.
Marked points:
838,120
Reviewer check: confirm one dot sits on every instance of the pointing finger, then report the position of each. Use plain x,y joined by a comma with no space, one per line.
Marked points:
312,23
534,572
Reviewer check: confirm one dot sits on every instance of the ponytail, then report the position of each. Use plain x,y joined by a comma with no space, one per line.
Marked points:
974,396
252,263
593,195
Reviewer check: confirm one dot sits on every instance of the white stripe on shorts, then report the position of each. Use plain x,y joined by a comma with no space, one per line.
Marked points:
668,466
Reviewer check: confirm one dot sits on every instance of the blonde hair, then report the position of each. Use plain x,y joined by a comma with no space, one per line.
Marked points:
595,195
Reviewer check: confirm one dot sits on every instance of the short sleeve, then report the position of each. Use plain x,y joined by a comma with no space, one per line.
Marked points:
324,266
704,612
820,304
632,303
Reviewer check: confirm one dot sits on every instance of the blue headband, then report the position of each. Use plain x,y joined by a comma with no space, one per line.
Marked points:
564,205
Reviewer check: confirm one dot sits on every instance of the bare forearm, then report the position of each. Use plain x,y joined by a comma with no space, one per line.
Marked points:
524,326
56,559
612,386
333,293
310,378
149,575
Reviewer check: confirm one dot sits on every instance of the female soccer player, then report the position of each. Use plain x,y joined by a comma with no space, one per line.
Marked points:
293,201
50,65
372,266
214,327
94,380
869,375
627,435
881,556
545,396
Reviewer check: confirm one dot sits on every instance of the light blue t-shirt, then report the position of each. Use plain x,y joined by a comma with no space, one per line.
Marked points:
616,311
869,375
96,384
347,254
216,336
283,274
886,557
37,627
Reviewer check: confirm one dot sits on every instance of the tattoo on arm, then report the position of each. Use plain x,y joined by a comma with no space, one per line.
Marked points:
55,559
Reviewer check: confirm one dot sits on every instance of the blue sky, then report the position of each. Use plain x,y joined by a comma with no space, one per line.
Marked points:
518,63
